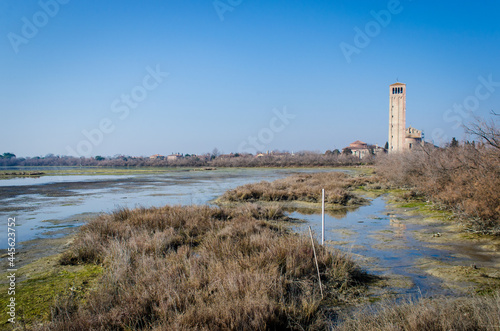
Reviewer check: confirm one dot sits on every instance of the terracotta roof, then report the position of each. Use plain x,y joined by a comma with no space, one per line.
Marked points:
358,144
398,83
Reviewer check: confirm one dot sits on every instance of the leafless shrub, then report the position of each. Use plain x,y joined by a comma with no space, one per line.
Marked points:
463,178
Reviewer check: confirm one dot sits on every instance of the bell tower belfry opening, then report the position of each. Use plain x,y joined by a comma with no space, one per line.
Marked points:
397,117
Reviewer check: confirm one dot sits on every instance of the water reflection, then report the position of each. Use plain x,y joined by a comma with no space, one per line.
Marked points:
399,227
337,213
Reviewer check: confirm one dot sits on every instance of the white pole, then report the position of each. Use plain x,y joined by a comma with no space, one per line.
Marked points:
316,259
322,216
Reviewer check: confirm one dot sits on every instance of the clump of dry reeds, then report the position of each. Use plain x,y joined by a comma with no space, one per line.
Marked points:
304,187
440,314
196,267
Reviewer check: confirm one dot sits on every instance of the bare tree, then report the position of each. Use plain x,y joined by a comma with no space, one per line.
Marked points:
487,131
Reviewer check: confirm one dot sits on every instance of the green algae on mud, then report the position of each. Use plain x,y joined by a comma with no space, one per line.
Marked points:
45,282
41,280
468,279
441,230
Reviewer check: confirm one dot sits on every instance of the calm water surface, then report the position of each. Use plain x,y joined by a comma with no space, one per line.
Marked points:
48,206
383,242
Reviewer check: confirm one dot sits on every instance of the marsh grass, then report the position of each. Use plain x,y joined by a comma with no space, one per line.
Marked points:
439,314
175,268
339,189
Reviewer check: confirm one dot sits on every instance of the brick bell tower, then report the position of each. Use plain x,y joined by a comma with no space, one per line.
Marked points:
397,117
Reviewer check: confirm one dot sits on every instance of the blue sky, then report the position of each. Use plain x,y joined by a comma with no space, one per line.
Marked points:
238,75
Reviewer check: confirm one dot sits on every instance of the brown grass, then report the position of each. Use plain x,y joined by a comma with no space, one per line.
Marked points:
304,187
177,268
464,179
442,314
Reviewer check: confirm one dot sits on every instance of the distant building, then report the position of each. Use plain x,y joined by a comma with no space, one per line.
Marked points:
156,157
400,137
173,157
413,137
362,149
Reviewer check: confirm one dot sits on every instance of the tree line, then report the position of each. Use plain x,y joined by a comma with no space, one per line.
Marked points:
302,159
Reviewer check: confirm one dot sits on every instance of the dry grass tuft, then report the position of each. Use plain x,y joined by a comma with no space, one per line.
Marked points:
443,314
304,187
175,268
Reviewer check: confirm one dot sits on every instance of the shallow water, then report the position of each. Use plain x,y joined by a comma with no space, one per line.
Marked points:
383,242
43,207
